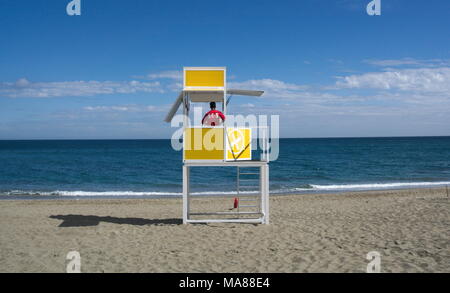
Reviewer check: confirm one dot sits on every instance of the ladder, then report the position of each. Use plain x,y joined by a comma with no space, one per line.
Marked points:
248,190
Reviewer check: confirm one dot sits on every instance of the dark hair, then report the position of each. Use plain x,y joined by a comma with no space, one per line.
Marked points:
212,105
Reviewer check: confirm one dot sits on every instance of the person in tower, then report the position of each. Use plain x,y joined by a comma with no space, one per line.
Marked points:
213,117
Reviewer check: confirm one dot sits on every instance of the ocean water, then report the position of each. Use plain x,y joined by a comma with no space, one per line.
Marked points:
151,168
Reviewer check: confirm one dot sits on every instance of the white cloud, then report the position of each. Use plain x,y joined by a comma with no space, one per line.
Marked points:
23,82
277,91
126,108
429,80
168,74
336,61
395,97
391,92
271,87
24,88
248,105
410,62
175,87
269,84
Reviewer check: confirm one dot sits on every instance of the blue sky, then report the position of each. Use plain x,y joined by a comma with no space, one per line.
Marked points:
327,67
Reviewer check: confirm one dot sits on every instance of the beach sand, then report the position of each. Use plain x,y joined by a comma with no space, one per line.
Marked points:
308,233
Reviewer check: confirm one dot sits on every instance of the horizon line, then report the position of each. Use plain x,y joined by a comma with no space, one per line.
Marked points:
325,137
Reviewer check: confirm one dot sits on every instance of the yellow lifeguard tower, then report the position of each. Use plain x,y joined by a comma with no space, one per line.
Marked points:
221,146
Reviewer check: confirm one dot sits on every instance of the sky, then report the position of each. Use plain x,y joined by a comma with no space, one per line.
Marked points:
327,67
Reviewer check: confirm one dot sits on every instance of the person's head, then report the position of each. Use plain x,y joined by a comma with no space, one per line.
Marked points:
212,105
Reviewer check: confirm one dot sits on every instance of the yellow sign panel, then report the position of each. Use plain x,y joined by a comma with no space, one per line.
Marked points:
203,144
207,144
204,78
239,145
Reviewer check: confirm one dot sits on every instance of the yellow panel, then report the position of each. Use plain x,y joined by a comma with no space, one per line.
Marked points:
206,78
239,144
203,144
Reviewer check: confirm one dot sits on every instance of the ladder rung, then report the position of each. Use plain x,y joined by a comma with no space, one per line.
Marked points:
224,213
244,186
252,179
248,199
248,173
245,206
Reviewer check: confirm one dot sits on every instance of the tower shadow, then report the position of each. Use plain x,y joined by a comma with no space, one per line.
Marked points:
89,220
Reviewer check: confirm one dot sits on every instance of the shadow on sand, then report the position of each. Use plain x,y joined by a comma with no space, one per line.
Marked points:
82,221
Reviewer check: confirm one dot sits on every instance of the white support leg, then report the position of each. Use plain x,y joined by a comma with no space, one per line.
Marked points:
265,192
188,183
185,194
261,192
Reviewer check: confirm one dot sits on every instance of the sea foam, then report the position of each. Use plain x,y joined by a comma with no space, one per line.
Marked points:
303,189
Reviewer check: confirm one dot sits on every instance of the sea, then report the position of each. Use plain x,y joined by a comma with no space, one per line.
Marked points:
73,169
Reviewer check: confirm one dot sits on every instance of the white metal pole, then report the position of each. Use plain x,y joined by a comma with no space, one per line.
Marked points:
188,187
185,193
224,109
266,193
261,192
267,146
185,121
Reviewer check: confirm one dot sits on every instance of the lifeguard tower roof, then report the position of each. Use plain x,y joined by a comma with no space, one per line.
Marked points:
206,84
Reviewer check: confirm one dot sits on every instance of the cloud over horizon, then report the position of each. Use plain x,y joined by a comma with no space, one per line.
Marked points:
410,62
126,108
167,74
23,88
431,80
406,88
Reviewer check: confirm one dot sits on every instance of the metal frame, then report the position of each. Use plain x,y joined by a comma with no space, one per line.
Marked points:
263,194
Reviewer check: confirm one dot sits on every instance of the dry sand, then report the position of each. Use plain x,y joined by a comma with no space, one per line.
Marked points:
308,233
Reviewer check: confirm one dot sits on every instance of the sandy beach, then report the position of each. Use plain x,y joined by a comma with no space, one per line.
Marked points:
308,233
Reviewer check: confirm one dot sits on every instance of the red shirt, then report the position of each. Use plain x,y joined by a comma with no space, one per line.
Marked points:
212,116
